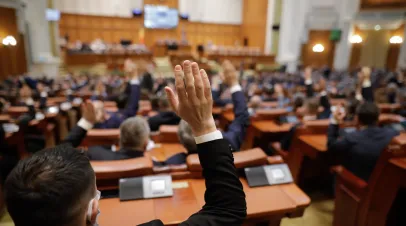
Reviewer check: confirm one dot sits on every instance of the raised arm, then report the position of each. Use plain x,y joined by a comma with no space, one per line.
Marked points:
237,129
132,104
309,82
334,142
79,132
224,196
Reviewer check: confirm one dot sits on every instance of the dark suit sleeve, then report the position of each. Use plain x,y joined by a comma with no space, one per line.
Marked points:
309,90
132,105
368,94
224,196
237,129
334,142
75,136
217,100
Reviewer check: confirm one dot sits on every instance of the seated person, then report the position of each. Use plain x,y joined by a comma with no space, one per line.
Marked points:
134,137
58,186
236,130
360,149
323,95
311,112
109,120
165,115
255,103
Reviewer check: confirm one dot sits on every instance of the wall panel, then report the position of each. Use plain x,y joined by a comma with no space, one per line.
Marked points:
310,58
12,58
254,22
112,29
388,4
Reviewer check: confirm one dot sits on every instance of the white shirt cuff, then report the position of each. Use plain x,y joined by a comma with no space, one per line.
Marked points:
29,101
44,94
235,88
216,135
308,82
323,93
84,124
366,83
358,97
135,82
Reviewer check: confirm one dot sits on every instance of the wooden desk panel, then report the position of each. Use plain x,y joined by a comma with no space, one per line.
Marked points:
75,59
318,142
176,209
163,151
114,212
271,127
269,203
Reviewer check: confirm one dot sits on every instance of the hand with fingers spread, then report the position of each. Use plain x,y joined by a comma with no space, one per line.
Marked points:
193,102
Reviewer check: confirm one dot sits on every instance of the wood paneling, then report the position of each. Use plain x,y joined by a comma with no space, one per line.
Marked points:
113,29
254,22
310,58
388,4
169,3
12,58
392,57
355,58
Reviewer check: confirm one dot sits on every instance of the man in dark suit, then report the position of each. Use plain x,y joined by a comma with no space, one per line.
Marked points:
64,180
360,149
165,116
236,130
113,120
134,137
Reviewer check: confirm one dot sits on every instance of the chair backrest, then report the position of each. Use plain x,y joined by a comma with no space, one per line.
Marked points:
354,196
381,174
17,111
96,137
270,114
242,159
108,173
168,134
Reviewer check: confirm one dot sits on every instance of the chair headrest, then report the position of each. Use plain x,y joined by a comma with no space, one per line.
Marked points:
122,168
242,159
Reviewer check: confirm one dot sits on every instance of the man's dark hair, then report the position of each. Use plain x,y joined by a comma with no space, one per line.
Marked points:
50,188
368,113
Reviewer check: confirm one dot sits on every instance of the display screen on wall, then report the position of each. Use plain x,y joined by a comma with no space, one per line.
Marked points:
160,17
52,14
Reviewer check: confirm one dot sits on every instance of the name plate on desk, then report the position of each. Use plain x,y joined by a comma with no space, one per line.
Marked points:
268,175
145,187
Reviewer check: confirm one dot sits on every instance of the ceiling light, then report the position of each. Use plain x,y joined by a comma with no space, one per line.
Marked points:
377,27
356,39
396,40
9,41
318,48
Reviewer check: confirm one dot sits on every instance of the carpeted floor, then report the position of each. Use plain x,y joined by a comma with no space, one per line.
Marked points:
319,213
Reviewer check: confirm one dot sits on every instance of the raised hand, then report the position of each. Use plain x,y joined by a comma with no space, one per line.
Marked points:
230,74
193,102
89,112
308,73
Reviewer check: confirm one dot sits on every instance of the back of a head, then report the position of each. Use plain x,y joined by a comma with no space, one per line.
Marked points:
134,133
163,103
255,101
312,106
186,137
51,188
298,100
368,113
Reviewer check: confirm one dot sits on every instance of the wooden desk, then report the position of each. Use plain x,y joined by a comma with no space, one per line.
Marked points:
263,132
388,108
317,142
5,118
264,204
163,151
